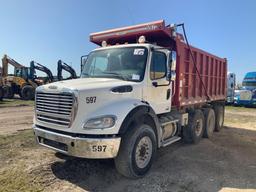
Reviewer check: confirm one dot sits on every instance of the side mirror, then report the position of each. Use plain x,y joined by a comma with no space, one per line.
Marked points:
172,59
83,61
172,66
173,75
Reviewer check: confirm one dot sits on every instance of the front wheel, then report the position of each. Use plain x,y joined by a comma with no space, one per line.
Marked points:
8,92
137,151
28,92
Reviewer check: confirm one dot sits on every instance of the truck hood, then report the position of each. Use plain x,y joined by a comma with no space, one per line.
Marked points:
94,97
85,84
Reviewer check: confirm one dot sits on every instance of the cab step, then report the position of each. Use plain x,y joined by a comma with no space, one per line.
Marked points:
170,141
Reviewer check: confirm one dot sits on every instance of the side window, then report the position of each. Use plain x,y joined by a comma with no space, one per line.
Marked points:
158,66
18,72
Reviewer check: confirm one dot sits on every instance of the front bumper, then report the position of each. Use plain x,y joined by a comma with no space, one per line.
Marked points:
245,103
96,148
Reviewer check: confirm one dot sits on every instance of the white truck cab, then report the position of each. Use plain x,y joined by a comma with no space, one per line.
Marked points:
87,114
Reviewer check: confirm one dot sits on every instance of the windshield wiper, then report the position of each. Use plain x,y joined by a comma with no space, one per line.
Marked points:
116,74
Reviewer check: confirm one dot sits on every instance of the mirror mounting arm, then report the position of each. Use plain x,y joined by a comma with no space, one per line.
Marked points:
155,84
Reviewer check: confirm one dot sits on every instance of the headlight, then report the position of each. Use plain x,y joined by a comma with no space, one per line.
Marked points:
100,122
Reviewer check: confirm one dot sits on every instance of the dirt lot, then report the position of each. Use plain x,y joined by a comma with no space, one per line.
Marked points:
227,162
15,118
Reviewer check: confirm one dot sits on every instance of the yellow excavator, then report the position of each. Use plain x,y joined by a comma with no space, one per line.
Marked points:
18,83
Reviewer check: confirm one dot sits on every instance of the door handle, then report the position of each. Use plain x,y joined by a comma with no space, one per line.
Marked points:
168,94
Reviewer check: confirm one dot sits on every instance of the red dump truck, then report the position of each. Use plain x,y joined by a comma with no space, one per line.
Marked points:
144,88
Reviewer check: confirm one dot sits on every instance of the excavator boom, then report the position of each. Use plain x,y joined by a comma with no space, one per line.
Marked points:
6,60
64,66
37,66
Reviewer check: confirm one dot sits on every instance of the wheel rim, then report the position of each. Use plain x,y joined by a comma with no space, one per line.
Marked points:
199,127
143,152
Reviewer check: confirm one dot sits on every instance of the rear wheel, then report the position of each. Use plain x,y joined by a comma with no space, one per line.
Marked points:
209,124
27,92
8,92
137,151
193,132
20,94
219,117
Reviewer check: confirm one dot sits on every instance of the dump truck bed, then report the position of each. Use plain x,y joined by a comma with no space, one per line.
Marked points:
192,88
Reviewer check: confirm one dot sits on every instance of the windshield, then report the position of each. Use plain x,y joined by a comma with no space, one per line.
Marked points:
21,72
122,63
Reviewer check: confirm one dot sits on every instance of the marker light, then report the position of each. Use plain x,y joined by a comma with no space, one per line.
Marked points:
142,39
104,44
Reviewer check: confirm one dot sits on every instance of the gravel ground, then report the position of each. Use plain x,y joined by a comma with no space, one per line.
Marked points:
227,162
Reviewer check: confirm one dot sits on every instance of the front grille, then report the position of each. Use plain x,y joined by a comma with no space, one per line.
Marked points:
54,108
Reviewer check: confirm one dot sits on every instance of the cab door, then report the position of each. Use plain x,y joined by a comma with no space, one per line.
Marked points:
158,91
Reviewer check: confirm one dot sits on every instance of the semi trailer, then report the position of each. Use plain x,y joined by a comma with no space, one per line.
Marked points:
143,88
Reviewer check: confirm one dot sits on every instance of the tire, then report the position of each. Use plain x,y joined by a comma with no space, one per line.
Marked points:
219,111
27,92
1,93
209,123
193,132
20,93
8,92
140,142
